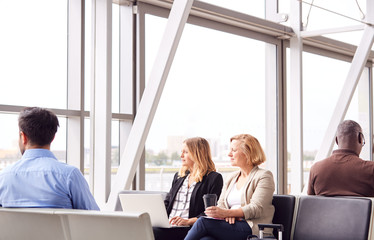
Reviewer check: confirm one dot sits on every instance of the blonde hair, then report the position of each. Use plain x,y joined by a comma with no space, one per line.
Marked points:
199,150
251,148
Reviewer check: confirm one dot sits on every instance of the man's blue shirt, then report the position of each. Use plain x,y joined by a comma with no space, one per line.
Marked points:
39,180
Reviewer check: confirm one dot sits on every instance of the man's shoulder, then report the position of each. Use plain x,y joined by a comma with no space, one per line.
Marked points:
320,164
66,167
323,161
54,165
8,168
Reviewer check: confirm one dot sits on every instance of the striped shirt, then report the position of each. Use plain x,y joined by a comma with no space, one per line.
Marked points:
181,205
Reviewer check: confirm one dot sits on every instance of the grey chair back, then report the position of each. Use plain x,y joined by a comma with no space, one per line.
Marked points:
332,218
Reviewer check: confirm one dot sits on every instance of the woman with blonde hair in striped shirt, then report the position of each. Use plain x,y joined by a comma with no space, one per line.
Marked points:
197,176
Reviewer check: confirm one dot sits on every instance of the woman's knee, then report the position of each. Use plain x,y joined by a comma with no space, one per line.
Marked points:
201,221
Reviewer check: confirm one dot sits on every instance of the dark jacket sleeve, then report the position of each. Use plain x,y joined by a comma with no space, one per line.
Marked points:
217,185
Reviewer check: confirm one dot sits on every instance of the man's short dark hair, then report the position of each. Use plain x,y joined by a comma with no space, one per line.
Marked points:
348,128
38,124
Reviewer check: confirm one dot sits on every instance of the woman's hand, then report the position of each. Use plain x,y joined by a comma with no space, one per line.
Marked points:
178,221
216,212
230,220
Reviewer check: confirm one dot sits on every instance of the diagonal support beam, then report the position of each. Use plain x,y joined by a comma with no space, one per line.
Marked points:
305,34
151,97
354,74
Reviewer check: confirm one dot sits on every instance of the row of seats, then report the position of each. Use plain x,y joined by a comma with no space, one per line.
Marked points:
60,224
303,218
323,218
316,217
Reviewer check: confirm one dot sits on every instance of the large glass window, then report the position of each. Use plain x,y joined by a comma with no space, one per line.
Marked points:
215,89
33,67
321,90
115,57
323,80
339,13
359,111
58,146
87,153
88,50
88,71
322,15
9,150
33,59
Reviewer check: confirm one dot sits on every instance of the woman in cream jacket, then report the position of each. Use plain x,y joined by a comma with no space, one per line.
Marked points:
246,197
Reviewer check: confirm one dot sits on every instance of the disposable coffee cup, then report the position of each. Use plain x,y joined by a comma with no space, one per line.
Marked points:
210,200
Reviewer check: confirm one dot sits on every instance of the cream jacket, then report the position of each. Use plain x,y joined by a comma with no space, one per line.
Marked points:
256,200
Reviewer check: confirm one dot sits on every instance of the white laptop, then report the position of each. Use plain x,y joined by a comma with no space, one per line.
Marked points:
153,204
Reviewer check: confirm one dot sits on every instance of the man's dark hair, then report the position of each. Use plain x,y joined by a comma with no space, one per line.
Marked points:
348,128
38,124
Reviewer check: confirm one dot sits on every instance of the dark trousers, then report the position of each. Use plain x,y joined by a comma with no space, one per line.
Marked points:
214,229
173,233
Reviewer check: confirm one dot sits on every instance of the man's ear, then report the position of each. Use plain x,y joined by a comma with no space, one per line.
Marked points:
23,138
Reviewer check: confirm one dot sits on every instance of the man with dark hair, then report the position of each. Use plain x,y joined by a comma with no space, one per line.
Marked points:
344,173
38,179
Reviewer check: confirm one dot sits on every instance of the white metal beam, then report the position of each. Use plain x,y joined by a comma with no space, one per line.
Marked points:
151,97
271,120
305,34
271,12
126,58
296,99
358,64
271,103
131,81
369,11
139,181
370,19
75,125
363,101
101,111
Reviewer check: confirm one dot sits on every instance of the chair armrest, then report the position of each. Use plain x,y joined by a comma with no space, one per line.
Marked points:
279,227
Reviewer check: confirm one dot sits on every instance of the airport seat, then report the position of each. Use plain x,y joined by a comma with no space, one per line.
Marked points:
283,217
71,224
30,224
118,206
330,218
95,225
